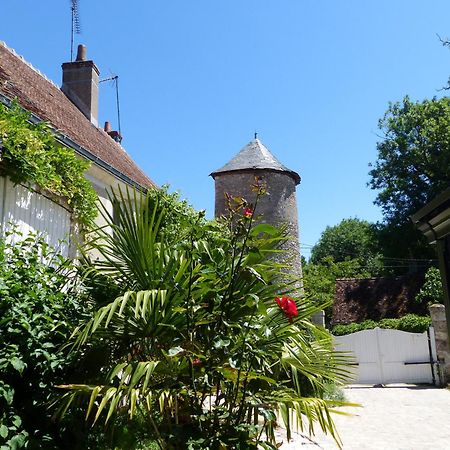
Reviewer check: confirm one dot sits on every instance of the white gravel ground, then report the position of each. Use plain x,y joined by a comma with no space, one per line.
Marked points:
403,417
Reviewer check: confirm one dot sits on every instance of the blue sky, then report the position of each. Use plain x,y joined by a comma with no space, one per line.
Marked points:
198,78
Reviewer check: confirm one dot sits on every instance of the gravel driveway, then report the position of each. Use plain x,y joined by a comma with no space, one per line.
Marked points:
391,418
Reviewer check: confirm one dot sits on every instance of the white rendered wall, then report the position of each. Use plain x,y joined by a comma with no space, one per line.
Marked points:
31,212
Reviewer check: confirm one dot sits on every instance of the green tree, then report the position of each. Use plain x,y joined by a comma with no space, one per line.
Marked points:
412,167
350,239
413,164
197,342
346,250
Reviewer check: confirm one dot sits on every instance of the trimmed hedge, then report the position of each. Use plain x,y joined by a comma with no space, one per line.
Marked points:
411,323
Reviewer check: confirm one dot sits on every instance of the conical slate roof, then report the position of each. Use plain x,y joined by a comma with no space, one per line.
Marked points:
255,155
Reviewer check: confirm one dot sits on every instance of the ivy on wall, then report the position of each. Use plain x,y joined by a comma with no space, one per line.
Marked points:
29,153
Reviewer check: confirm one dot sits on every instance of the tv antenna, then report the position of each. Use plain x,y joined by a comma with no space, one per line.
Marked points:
115,80
76,27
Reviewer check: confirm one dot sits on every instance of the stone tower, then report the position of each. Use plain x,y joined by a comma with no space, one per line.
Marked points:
278,208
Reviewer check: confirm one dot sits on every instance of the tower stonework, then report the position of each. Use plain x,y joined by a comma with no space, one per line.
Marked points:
278,208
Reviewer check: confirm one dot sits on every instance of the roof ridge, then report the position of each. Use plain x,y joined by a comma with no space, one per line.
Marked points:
17,55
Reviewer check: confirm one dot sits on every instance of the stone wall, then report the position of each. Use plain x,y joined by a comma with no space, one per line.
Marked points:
442,341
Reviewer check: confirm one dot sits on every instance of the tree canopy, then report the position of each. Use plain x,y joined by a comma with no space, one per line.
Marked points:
413,164
351,239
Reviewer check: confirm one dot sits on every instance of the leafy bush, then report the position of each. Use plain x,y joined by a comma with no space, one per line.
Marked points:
178,215
431,291
38,313
341,330
414,323
392,324
203,340
411,323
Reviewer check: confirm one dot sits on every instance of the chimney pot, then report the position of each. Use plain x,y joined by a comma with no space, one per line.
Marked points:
82,53
107,127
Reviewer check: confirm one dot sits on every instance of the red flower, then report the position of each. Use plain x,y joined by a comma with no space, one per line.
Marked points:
288,306
196,362
248,213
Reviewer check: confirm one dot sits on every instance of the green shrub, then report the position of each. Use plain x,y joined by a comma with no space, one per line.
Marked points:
431,291
38,313
414,323
411,323
392,324
341,330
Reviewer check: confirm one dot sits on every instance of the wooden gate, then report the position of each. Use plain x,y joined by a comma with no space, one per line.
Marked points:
390,356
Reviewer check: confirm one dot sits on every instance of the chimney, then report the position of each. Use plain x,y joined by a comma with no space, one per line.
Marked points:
80,84
113,134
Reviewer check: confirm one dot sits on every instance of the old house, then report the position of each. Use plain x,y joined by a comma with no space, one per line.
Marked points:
72,111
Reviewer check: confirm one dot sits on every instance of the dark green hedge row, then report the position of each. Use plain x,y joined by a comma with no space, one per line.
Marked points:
410,322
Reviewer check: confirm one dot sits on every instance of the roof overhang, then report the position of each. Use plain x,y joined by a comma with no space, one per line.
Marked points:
433,220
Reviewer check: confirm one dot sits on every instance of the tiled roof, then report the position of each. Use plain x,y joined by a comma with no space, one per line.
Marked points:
255,155
34,92
357,300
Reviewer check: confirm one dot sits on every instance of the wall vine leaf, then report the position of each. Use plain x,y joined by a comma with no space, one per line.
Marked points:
30,153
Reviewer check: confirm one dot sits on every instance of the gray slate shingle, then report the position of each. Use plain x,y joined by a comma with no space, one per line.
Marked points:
255,155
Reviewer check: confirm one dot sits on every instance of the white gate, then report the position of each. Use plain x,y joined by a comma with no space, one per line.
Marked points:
390,356
31,212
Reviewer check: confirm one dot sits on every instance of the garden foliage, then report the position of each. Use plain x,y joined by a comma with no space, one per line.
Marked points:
412,167
431,291
410,322
413,164
38,313
29,153
200,337
351,239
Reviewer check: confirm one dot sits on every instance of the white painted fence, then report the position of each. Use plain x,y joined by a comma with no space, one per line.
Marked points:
31,212
389,356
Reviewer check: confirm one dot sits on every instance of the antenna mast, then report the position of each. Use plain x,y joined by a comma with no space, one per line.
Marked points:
76,28
115,80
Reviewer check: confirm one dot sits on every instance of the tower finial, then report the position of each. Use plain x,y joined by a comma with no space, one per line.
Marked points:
256,135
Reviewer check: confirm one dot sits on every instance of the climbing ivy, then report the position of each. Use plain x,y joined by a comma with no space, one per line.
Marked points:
29,153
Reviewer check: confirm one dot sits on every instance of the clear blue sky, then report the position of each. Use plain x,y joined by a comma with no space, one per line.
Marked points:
198,78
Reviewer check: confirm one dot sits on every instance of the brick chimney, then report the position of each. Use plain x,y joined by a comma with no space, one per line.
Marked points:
80,84
113,134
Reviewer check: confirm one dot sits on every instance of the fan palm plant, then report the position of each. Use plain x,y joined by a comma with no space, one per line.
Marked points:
202,339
